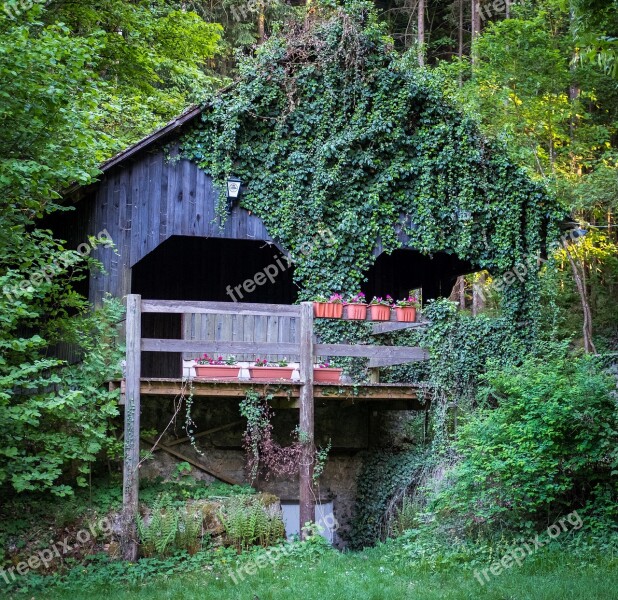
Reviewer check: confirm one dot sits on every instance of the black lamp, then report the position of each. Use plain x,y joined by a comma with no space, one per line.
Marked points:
233,191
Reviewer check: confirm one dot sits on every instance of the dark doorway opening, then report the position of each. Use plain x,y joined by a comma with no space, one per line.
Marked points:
206,269
404,270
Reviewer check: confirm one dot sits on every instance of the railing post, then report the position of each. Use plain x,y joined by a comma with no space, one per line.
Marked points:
131,428
306,492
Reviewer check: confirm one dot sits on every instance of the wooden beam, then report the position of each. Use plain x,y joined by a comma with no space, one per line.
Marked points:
220,308
193,462
184,440
286,393
403,353
387,362
306,418
198,346
390,326
130,486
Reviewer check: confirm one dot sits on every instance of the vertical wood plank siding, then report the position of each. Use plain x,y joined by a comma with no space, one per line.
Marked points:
142,204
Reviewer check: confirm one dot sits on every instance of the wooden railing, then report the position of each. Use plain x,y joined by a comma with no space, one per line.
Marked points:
304,348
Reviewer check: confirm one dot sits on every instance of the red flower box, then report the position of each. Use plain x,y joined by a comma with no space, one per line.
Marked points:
217,371
327,375
271,372
356,312
380,312
328,310
406,314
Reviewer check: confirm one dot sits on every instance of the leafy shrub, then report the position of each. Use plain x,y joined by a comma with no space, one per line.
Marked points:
248,522
57,418
544,446
405,518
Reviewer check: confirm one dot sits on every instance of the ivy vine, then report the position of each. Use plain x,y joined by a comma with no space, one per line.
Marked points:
328,126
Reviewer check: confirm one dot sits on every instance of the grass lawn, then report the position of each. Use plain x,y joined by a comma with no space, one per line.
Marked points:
368,575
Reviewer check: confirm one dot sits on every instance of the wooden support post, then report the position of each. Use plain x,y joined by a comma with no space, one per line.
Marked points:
306,493
131,428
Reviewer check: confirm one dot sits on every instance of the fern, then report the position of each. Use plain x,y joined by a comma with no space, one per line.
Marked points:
248,522
170,528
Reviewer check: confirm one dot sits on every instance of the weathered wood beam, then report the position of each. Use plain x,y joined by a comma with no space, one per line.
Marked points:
374,363
130,484
403,353
390,326
195,463
201,434
306,418
199,346
286,393
219,308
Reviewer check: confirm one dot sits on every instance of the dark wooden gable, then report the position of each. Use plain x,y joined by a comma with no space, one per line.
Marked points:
141,203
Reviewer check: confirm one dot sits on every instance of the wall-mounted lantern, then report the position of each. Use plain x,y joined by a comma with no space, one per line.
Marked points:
233,191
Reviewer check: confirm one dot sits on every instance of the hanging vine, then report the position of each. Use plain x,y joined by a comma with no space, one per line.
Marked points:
264,454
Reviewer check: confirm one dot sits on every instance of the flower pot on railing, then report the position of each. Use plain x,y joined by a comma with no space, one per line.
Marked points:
356,312
326,375
406,314
217,371
380,308
271,372
328,310
379,312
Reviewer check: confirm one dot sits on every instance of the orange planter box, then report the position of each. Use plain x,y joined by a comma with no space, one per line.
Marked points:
356,312
217,371
271,372
328,310
379,312
327,375
406,314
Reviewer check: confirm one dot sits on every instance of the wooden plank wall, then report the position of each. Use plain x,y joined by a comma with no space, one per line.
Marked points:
238,328
142,204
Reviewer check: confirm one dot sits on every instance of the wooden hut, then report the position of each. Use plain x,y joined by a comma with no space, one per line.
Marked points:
177,267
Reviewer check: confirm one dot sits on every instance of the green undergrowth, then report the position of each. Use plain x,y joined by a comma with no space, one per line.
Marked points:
23,517
315,572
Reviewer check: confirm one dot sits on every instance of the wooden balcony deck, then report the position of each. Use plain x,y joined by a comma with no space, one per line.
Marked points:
292,337
286,394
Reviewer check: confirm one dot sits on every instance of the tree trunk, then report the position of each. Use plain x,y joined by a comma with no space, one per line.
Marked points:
579,275
461,37
261,20
421,33
478,296
459,292
476,26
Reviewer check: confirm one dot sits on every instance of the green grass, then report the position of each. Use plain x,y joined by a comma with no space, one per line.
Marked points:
373,574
